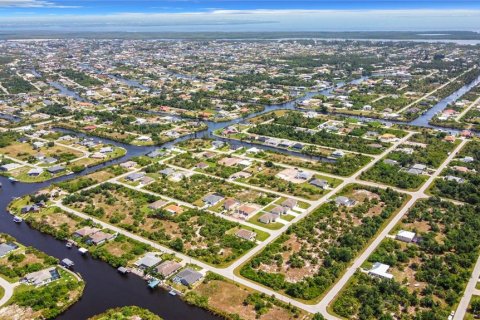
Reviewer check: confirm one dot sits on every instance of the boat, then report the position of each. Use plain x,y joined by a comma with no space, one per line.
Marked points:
67,263
82,250
172,293
153,283
12,179
17,219
123,270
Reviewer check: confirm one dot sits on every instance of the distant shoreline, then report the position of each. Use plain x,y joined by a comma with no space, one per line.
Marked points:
444,36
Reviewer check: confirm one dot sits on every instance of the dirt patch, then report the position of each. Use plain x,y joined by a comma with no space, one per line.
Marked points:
15,312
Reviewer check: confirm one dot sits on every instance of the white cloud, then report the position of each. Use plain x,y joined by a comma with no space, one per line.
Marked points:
32,4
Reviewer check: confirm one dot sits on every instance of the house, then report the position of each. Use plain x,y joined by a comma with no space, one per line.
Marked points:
98,155
405,236
279,210
6,248
229,162
49,160
244,163
100,237
380,270
417,169
344,201
297,146
167,268
253,150
304,175
156,153
212,199
166,172
149,260
246,234
106,149
338,154
56,169
135,176
453,178
405,150
268,218
390,162
201,165
177,176
322,184
144,138
157,204
460,169
230,204
85,231
40,156
188,277
246,210
37,144
289,203
387,137
240,175
173,209
30,208
42,277
10,166
128,164
35,172
467,159
218,144
146,180
449,139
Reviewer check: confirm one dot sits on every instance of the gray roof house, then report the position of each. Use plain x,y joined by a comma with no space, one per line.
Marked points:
6,248
417,169
149,260
134,176
188,277
212,199
56,169
323,184
344,201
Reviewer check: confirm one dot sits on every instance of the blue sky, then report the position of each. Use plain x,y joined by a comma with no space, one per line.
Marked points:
234,15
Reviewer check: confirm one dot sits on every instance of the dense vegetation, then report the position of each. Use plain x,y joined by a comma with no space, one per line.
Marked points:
441,263
197,233
321,137
126,313
81,78
328,242
393,175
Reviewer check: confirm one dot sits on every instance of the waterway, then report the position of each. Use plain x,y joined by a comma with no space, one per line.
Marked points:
105,287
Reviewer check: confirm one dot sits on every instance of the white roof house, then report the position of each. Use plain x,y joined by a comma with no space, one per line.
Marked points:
380,270
405,236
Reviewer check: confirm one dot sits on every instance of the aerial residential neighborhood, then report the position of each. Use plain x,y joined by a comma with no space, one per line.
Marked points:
241,160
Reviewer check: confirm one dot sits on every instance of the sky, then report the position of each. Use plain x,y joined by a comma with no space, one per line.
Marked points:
234,15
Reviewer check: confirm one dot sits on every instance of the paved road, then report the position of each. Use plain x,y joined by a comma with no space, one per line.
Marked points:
420,194
432,92
228,272
321,307
461,114
469,292
8,287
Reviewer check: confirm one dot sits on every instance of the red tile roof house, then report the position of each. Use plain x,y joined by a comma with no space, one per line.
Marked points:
230,204
90,128
100,237
246,210
85,231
